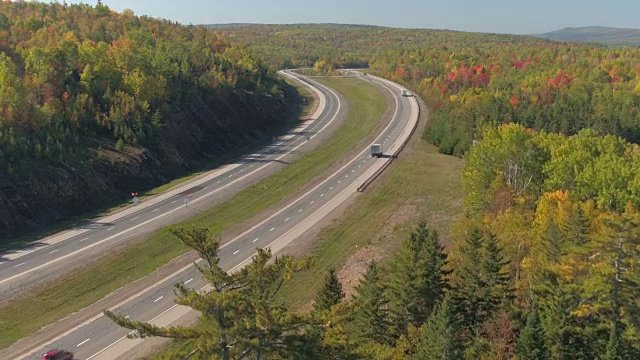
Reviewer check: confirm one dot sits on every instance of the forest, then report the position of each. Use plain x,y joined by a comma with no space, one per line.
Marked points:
470,80
544,259
544,265
95,104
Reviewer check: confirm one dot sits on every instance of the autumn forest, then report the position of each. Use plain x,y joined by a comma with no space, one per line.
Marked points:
542,263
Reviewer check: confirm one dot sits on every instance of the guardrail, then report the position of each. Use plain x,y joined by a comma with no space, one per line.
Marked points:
368,182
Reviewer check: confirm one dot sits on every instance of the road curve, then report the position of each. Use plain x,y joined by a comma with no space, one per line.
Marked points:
99,338
44,260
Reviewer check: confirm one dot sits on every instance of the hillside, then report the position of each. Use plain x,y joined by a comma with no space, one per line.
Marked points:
596,34
295,45
96,104
472,80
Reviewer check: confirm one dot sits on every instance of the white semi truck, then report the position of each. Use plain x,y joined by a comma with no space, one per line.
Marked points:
376,150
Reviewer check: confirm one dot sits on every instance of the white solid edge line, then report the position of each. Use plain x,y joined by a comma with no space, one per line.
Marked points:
71,233
335,174
88,321
173,210
355,182
190,266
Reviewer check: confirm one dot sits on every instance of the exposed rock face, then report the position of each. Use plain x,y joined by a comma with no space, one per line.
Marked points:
50,193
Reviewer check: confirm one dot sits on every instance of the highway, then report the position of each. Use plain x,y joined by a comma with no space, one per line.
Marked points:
27,268
99,338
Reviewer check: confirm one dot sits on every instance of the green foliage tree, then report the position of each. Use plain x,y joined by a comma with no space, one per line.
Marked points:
331,292
371,317
531,343
240,317
497,278
615,347
483,282
439,337
419,278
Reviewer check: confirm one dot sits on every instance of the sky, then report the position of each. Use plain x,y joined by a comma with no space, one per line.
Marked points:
499,16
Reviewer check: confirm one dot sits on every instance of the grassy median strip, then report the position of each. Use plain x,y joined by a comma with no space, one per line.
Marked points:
51,302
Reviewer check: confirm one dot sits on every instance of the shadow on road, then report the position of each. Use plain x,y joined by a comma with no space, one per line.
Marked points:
264,161
4,255
89,224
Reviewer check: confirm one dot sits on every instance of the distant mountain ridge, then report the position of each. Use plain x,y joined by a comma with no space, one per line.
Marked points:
596,34
346,26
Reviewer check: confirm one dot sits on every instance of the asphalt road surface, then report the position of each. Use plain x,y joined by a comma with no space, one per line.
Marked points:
27,268
99,338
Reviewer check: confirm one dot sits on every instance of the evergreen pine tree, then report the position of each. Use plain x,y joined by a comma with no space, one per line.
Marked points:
531,345
439,337
419,278
331,292
566,339
577,227
371,314
496,276
470,285
615,347
239,314
554,242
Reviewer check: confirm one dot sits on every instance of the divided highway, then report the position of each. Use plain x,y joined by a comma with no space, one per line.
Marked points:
99,338
47,259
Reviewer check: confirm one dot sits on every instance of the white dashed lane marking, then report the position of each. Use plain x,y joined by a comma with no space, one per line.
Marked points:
83,342
235,252
158,299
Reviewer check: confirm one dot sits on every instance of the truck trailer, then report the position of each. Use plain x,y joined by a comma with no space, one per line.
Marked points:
376,150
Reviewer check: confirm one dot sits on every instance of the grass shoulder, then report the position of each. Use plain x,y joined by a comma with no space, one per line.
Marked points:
421,184
86,285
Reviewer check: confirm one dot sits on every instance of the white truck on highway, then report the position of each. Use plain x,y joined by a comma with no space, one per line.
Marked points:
405,92
376,150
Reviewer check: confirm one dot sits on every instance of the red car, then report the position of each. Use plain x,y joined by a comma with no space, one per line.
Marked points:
57,355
